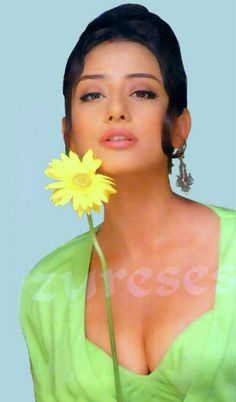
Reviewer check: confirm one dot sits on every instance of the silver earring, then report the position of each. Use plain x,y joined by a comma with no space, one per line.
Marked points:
184,180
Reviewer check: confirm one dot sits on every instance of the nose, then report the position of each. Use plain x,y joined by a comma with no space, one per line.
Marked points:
111,117
117,110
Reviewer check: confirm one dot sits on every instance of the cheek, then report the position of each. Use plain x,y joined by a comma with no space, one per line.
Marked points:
153,113
83,135
82,129
144,120
152,123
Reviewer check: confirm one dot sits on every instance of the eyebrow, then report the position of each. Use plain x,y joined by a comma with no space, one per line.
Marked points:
134,75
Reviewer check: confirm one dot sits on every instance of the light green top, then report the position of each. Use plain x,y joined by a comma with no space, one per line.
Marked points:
200,365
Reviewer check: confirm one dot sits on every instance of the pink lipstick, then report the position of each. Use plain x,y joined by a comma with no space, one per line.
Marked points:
118,138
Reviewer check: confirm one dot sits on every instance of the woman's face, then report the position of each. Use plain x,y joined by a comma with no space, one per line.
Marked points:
120,100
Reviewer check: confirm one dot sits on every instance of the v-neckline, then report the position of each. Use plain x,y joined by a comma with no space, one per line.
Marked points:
202,316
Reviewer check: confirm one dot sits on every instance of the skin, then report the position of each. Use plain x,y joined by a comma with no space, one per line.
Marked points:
146,224
141,168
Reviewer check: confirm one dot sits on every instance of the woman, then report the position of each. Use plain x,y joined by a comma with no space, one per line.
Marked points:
174,318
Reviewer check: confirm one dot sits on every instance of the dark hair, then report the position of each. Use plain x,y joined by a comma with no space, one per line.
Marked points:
133,22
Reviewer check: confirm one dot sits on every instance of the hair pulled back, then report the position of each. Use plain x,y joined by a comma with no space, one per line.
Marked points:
135,23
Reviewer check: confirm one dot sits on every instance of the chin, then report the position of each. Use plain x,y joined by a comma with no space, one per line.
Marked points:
118,169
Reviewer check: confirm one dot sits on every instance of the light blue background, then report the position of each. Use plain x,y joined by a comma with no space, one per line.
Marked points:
37,38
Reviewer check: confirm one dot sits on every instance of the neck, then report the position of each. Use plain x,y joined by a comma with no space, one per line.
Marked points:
141,212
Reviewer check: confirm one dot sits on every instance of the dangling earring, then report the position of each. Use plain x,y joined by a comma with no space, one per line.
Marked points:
184,180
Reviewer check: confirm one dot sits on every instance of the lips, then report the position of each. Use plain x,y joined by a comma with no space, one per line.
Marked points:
116,132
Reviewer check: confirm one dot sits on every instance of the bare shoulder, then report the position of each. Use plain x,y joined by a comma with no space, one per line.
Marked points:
206,216
196,219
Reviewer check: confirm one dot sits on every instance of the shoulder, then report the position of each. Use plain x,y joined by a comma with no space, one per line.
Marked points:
224,211
228,221
49,275
227,217
227,227
227,257
60,258
218,224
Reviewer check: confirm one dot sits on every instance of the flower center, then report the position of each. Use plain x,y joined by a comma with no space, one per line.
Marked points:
82,180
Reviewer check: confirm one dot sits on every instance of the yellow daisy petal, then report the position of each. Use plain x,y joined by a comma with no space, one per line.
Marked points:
88,156
73,156
65,159
80,212
97,208
57,184
89,162
79,183
61,197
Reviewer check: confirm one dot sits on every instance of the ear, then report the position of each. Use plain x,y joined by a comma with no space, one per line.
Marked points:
63,126
65,133
181,129
68,139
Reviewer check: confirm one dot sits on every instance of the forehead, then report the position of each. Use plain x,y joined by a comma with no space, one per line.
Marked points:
120,56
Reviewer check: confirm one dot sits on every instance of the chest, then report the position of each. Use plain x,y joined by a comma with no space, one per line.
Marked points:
152,304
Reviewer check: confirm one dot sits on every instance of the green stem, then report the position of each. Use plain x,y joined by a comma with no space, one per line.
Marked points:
108,310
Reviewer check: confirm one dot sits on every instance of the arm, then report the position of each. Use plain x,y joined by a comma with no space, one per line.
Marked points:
32,330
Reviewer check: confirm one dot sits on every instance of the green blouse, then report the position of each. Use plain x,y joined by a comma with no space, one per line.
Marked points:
200,365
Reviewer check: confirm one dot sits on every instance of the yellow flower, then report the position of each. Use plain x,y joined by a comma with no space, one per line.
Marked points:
79,182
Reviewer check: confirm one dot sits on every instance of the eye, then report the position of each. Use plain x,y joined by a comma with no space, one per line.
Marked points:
89,96
146,94
140,94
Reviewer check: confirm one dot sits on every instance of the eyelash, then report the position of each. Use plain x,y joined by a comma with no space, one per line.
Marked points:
151,95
